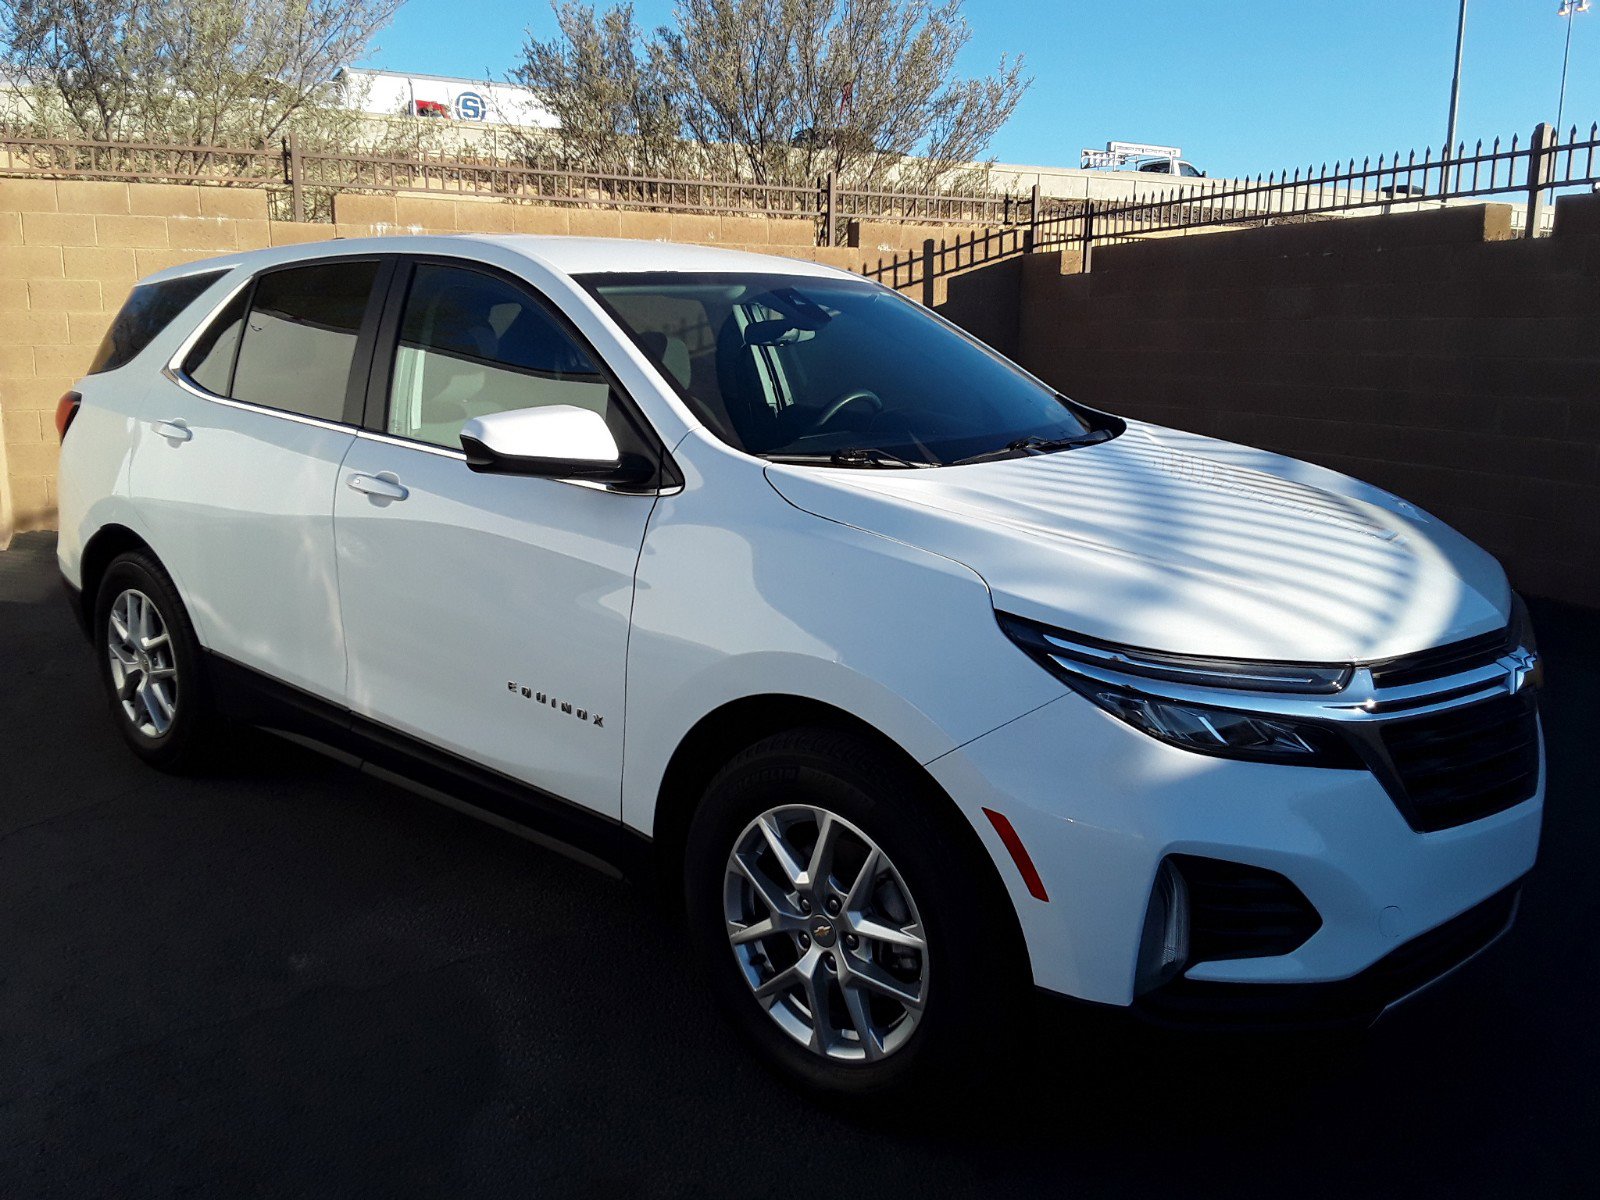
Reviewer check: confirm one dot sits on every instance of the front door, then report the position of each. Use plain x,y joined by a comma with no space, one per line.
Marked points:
487,615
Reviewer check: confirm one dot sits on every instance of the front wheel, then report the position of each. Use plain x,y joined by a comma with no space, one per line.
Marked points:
843,923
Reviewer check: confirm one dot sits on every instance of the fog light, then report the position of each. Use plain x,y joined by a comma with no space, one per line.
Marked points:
1164,949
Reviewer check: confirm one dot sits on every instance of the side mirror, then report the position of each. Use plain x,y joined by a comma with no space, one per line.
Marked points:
558,441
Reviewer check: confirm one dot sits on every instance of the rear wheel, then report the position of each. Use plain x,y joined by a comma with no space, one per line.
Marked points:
150,665
843,925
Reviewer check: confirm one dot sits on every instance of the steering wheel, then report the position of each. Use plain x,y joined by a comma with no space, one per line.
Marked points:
843,402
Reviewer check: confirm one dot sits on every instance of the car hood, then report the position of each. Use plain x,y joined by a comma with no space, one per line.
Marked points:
1174,541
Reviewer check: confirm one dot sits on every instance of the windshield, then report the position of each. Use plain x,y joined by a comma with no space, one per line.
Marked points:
837,371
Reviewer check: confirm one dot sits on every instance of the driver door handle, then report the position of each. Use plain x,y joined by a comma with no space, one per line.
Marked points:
383,487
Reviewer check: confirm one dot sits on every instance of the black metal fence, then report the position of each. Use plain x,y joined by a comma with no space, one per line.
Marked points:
303,182
1530,172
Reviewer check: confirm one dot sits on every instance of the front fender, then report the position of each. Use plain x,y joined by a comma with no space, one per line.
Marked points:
741,594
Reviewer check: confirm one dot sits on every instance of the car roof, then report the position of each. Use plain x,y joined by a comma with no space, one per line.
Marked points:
564,255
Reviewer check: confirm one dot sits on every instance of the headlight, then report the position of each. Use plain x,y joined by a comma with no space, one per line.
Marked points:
1126,682
1227,733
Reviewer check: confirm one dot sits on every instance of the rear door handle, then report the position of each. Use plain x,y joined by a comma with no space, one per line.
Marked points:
384,487
174,431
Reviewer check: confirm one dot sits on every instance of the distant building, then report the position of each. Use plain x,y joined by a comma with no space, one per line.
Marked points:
439,97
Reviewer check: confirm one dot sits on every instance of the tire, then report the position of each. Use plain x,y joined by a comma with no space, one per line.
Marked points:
929,1012
166,714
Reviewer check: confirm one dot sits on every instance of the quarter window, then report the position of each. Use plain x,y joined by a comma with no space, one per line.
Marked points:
471,345
299,342
149,309
210,361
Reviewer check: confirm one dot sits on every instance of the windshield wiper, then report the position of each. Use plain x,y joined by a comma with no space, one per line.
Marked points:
1037,445
854,456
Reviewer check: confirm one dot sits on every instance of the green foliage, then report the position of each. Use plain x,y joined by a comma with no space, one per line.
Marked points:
776,91
195,72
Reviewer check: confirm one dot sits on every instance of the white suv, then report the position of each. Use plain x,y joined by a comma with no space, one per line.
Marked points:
918,682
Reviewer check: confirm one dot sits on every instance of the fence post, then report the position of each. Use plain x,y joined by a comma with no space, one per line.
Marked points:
1541,170
1032,239
292,175
1088,235
830,209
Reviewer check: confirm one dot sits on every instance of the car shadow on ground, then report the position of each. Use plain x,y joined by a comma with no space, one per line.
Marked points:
287,978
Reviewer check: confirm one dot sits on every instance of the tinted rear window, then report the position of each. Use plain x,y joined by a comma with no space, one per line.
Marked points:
300,340
149,309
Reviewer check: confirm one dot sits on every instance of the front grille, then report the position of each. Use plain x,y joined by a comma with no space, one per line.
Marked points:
1239,911
1441,661
1465,763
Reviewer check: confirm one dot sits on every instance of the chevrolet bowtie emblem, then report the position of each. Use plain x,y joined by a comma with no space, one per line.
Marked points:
1519,667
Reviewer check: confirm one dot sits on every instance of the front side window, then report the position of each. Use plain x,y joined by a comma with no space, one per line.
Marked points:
149,309
299,339
472,344
831,369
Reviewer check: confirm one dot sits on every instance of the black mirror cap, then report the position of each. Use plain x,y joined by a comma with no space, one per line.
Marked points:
628,470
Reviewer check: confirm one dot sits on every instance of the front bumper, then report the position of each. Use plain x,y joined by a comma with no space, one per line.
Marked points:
1359,1000
1100,806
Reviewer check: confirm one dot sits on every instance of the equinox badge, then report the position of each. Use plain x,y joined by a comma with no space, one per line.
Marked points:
562,706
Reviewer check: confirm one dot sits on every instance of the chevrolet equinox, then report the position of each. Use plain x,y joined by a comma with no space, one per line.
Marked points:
922,684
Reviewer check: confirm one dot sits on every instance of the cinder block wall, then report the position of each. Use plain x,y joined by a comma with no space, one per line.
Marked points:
1425,352
69,254
71,251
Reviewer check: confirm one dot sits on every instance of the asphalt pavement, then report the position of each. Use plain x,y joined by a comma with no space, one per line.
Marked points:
287,979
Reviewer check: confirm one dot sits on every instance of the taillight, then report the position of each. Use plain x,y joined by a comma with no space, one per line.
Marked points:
66,409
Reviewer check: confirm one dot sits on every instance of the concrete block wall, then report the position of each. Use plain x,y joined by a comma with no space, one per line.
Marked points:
1425,352
69,254
71,251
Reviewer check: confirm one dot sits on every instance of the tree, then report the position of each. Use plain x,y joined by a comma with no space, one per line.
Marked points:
777,91
199,72
598,79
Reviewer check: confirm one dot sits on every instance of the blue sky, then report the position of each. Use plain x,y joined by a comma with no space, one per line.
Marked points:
1242,86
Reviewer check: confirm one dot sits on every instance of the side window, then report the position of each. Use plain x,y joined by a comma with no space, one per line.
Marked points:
210,360
149,309
299,340
472,344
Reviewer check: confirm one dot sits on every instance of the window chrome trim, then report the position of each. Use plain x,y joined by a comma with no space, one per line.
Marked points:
194,389
390,439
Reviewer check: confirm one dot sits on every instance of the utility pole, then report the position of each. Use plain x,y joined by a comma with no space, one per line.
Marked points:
1455,87
1569,9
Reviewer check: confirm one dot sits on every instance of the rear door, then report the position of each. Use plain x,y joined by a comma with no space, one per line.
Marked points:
488,615
234,469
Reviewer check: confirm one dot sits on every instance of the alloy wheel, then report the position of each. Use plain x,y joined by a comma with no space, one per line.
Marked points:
826,933
144,669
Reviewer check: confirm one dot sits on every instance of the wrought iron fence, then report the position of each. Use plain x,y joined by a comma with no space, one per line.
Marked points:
1530,171
302,183
143,162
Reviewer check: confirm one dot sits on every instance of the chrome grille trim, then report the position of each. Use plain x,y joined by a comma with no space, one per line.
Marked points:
1368,713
